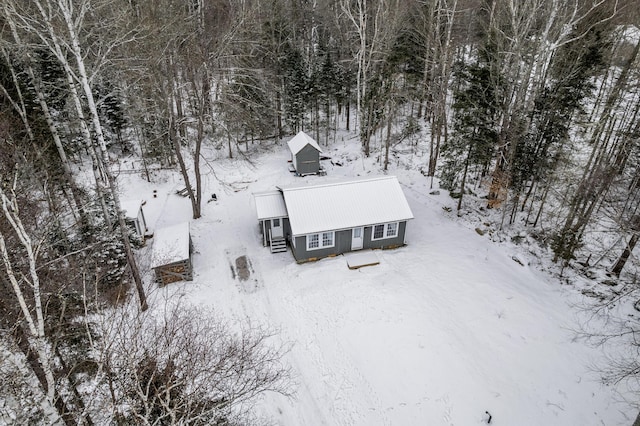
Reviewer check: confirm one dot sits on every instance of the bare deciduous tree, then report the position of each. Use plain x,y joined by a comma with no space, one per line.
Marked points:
183,365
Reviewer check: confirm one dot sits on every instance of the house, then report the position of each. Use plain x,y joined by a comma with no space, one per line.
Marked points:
329,219
171,256
305,154
134,217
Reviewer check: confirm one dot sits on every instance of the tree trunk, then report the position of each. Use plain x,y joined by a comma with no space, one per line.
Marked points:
196,169
626,253
64,411
347,113
464,178
387,142
175,138
279,132
33,315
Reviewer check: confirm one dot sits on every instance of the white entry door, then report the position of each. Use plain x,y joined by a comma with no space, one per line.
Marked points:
276,228
357,238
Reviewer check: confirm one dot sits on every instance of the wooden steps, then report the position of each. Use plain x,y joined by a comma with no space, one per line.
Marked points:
278,245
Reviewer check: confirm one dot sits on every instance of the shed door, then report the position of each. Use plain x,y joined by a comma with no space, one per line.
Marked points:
356,238
276,228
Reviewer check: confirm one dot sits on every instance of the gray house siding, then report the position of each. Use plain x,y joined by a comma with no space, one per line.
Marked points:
386,242
307,161
342,244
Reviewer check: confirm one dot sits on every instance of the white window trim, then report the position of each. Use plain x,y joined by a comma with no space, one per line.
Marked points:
384,231
321,240
309,241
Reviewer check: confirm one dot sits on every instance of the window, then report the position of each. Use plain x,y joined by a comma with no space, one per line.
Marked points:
378,232
276,222
385,230
392,230
321,240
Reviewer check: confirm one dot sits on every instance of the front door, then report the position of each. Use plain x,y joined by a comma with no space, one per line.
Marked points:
356,238
276,228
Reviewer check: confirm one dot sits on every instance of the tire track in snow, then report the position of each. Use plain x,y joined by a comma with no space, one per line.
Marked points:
348,391
330,375
274,314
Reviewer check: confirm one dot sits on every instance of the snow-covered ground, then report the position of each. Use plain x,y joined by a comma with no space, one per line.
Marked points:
437,333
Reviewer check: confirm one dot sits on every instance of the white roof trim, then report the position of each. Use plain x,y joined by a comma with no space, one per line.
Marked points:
345,205
269,204
170,245
301,140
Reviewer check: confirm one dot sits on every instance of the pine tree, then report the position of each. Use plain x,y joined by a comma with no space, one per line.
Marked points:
475,133
296,87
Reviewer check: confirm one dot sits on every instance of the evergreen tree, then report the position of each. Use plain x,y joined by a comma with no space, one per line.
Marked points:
296,87
475,133
569,84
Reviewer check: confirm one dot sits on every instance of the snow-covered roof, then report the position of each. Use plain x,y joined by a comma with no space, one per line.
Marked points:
345,205
301,140
170,245
269,204
131,208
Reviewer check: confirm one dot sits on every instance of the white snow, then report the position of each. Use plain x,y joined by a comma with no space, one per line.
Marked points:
170,245
301,140
344,205
439,332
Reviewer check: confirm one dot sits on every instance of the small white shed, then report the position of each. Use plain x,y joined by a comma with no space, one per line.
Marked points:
134,216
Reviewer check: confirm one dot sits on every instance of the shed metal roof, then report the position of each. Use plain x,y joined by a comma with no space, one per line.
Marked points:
269,204
131,208
170,245
301,140
345,205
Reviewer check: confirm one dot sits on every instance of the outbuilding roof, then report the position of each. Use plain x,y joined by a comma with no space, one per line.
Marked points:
345,205
269,204
170,245
301,140
131,208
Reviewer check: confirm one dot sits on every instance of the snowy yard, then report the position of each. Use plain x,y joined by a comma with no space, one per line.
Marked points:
439,332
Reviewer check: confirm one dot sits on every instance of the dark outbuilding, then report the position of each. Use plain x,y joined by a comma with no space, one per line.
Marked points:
305,154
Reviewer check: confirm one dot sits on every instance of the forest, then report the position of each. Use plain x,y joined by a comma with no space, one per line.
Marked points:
530,108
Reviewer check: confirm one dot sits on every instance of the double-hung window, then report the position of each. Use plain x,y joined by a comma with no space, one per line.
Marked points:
392,230
320,240
384,230
313,241
378,232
